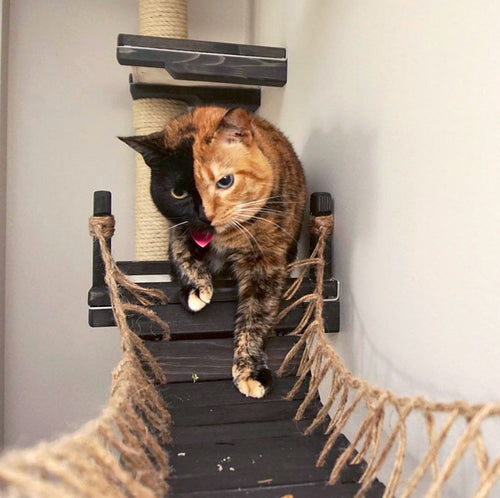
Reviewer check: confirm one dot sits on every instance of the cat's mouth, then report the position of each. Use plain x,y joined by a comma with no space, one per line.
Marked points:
202,237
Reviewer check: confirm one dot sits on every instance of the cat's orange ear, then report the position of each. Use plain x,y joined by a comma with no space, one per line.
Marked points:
236,126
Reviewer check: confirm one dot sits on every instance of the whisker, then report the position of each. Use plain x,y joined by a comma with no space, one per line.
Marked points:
247,233
276,225
257,201
271,212
262,210
177,225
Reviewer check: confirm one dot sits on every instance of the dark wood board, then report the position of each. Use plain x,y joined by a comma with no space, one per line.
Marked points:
214,321
221,392
250,412
224,289
206,61
278,461
212,359
195,95
163,43
301,490
226,434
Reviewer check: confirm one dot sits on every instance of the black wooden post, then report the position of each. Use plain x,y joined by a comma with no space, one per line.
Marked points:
102,207
321,204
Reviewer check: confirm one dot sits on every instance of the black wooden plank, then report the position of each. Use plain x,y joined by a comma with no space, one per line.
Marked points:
195,95
227,434
299,490
224,289
249,412
162,43
214,321
145,267
204,66
223,393
219,402
283,460
102,207
212,359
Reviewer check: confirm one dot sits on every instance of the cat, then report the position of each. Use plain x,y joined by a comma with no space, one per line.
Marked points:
234,190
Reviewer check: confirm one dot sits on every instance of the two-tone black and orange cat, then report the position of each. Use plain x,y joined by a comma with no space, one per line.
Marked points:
234,191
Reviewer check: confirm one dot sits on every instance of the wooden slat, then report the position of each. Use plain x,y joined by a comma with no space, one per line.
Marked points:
162,43
214,321
300,490
206,61
224,289
226,434
218,402
199,395
212,359
260,460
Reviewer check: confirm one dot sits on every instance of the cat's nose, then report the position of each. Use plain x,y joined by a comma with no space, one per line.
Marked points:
203,216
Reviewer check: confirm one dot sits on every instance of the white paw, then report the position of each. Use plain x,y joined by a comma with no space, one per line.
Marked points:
194,302
206,293
249,387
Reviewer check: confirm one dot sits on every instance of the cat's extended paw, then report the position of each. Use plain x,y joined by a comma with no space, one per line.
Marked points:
253,385
197,299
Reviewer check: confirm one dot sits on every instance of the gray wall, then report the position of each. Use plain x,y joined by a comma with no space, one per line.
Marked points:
68,100
4,15
394,107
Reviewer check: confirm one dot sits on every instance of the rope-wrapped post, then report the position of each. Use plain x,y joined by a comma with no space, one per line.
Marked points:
165,18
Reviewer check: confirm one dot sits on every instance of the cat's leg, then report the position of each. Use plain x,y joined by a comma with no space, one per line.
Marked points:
196,279
260,286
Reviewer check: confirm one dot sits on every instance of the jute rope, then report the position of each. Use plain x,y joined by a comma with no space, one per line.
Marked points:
119,454
165,18
349,393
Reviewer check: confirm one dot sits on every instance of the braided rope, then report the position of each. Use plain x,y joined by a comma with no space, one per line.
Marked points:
135,422
350,392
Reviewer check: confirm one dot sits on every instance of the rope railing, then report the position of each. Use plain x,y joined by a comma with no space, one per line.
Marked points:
350,393
120,453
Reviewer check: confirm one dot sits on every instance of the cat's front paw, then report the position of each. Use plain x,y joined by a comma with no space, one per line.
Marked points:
197,299
254,385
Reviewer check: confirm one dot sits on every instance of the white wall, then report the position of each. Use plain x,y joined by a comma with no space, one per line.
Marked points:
394,107
68,100
4,7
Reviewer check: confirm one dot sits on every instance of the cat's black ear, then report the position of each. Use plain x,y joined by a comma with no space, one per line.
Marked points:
151,147
236,126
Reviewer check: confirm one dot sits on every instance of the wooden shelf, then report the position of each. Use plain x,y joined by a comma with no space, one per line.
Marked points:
205,61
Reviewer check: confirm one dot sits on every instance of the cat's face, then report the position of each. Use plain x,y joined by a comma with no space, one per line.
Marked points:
173,189
234,179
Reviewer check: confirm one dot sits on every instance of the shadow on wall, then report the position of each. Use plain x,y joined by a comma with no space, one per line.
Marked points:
344,162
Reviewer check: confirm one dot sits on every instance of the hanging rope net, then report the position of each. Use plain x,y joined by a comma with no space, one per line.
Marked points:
121,452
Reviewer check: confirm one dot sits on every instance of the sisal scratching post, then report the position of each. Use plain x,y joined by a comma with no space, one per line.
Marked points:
165,18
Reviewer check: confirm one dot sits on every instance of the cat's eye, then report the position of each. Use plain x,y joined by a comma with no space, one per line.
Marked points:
225,181
178,193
